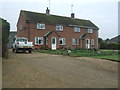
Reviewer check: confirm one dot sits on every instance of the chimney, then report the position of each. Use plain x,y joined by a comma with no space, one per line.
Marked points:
72,15
47,11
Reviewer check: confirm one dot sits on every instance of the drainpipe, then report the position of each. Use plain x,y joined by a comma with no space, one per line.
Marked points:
28,31
81,42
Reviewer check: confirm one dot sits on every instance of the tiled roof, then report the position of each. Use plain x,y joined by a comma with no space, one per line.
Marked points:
54,19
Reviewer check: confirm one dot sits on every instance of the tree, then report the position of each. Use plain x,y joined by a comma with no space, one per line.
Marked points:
100,40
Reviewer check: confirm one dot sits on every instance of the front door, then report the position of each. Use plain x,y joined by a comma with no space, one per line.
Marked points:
53,41
87,43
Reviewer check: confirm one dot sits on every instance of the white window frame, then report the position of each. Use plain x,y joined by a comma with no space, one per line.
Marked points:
21,27
46,41
73,42
63,41
90,30
92,42
39,38
76,29
40,26
59,27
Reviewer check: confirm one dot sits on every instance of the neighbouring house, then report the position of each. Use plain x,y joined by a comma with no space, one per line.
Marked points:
45,29
11,38
114,39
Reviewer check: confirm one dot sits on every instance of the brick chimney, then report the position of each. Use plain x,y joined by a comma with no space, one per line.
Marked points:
47,11
72,15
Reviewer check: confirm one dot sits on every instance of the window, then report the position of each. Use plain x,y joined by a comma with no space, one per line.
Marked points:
39,40
77,29
74,41
59,27
90,30
21,40
40,26
46,41
21,27
92,41
62,41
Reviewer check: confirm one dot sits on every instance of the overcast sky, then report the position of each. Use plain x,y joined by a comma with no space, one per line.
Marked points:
103,13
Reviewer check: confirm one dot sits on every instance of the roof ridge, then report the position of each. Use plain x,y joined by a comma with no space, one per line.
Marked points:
55,15
56,19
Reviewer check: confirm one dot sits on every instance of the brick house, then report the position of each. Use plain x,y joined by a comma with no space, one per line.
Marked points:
44,29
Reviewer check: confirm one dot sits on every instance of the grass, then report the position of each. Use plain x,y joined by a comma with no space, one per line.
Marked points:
103,54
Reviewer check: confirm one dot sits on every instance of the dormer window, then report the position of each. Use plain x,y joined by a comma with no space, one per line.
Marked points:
40,26
59,27
90,30
76,29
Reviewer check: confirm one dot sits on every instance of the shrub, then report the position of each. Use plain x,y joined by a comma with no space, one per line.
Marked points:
110,45
44,48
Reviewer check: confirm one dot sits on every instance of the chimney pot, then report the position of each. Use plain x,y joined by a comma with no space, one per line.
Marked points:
47,11
72,15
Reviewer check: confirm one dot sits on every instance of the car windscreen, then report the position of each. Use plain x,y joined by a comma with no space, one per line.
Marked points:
21,40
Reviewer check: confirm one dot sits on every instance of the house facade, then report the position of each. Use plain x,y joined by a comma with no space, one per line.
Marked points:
44,29
11,38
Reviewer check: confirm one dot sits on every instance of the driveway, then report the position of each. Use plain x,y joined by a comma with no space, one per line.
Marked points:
37,70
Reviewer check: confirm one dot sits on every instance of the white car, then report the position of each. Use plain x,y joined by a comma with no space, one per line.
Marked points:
21,43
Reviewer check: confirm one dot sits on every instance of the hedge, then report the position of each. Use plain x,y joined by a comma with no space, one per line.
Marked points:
5,34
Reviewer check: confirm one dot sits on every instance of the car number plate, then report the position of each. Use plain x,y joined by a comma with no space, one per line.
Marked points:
25,46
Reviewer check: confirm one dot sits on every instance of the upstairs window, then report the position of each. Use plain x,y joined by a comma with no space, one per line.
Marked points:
74,41
76,29
62,41
39,40
90,30
59,27
40,26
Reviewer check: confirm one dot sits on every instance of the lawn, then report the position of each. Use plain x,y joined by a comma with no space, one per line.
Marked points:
103,54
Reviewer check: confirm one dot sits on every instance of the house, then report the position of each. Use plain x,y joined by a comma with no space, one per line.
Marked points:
45,29
114,39
11,38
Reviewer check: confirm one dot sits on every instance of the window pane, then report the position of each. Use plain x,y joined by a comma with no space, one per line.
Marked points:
39,40
90,30
62,41
74,41
40,26
59,27
53,40
77,29
92,41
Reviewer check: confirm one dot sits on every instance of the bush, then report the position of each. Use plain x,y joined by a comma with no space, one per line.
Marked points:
44,48
110,45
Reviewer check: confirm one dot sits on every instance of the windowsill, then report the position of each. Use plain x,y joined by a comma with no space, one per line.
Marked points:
38,44
40,28
77,32
90,33
75,44
62,44
59,30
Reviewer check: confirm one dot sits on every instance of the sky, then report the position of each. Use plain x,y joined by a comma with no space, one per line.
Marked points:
103,13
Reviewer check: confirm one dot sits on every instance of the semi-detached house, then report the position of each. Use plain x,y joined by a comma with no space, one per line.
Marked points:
45,29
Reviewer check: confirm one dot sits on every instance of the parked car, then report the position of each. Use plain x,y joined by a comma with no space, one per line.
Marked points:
21,43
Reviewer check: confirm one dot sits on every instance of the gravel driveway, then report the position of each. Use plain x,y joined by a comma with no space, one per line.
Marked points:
37,70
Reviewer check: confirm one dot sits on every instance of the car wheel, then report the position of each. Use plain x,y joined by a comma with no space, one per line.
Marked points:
12,50
24,51
16,51
30,51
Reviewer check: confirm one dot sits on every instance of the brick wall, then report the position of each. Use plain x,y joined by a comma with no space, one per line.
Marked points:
30,31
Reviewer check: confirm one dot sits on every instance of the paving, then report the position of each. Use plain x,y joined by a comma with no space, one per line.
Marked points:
37,70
